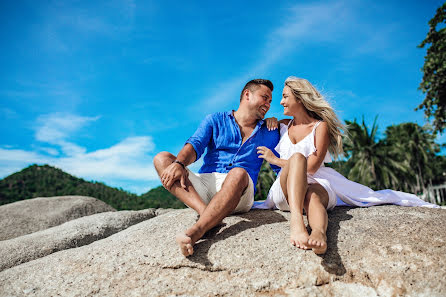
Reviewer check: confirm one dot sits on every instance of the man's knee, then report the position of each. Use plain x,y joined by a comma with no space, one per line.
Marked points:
241,175
163,159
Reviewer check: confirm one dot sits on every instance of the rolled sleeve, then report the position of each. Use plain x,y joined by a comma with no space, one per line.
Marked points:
202,136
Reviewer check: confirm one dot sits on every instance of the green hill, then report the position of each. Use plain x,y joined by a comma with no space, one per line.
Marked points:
46,181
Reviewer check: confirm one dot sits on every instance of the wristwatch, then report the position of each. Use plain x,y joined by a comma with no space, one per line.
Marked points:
181,163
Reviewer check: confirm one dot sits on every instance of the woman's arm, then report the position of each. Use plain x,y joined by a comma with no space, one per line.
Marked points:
273,124
284,121
266,154
321,142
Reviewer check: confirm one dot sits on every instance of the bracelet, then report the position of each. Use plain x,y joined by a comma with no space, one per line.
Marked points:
181,163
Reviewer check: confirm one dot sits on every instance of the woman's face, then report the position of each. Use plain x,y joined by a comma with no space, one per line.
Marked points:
289,102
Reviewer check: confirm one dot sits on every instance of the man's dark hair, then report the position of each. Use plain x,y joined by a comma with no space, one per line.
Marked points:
254,84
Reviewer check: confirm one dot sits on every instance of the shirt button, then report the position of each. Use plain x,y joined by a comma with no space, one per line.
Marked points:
230,164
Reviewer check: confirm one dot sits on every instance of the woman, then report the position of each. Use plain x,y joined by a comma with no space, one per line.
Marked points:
304,182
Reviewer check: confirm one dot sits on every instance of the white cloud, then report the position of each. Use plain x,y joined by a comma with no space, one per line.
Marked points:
57,127
324,22
302,23
128,159
127,162
49,150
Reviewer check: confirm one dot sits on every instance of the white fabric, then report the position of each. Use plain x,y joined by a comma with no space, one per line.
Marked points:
341,191
208,184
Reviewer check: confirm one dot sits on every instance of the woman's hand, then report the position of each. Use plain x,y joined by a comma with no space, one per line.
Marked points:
266,154
272,123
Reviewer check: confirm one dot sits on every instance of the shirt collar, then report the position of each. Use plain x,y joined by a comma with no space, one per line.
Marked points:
231,114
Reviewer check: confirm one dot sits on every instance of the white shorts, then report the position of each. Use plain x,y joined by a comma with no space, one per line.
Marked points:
276,194
208,184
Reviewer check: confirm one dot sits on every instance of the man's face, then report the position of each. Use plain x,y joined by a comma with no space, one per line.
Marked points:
260,101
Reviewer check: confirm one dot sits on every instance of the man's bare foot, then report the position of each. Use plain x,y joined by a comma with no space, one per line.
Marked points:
298,233
318,242
185,243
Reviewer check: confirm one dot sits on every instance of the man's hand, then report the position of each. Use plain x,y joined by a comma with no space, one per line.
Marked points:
172,173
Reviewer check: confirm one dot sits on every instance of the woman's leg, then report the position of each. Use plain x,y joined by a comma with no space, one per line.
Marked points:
316,201
293,181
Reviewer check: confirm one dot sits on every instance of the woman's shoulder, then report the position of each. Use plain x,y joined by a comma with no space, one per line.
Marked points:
321,125
285,121
321,130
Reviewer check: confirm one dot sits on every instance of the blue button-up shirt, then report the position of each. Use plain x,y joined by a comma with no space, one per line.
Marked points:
220,135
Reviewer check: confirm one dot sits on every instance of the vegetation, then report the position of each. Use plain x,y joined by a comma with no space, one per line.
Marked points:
265,181
405,159
434,70
47,181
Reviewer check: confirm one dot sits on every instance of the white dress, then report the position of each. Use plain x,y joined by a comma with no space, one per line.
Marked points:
341,191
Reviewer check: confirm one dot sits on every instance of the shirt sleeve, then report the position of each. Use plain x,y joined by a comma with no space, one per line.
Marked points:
202,136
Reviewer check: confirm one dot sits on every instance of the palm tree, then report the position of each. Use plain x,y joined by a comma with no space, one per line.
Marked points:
370,160
265,181
415,145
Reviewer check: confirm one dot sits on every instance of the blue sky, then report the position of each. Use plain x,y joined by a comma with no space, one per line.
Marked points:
98,88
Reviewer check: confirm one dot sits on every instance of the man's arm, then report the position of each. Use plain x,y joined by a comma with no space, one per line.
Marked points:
192,150
177,170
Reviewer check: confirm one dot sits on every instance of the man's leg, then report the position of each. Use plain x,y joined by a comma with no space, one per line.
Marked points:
187,195
221,205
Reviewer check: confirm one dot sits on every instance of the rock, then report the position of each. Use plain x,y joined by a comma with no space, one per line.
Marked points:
377,251
74,233
31,215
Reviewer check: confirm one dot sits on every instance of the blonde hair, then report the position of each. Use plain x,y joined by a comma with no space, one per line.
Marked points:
317,107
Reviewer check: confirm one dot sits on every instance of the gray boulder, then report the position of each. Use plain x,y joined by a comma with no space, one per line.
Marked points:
378,251
74,233
31,215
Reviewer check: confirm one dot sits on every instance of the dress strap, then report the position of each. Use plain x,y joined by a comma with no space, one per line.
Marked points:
315,126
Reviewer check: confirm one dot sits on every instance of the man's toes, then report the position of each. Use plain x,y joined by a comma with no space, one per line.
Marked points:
190,249
184,251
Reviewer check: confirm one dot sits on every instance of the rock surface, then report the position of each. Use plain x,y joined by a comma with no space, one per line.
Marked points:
378,251
74,233
31,215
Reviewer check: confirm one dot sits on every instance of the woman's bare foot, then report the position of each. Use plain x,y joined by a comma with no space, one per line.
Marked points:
298,233
318,242
185,243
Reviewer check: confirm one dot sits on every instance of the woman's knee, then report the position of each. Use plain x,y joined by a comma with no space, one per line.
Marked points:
298,158
315,196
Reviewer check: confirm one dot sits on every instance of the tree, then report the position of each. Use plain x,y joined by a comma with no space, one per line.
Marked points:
370,161
416,145
264,181
434,70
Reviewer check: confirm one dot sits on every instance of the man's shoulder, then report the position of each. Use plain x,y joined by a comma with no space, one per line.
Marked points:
218,116
270,136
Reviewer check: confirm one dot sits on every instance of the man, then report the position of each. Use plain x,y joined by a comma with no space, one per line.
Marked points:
226,181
